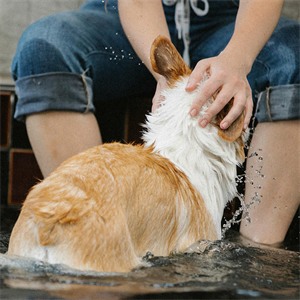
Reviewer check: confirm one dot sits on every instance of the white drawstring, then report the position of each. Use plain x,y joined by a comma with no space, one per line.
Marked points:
182,20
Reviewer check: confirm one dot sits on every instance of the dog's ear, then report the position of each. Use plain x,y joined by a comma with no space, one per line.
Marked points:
235,129
166,60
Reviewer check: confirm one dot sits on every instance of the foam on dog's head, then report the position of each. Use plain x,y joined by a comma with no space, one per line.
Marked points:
167,62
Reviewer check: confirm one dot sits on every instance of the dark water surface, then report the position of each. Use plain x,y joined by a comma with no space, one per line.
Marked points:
233,268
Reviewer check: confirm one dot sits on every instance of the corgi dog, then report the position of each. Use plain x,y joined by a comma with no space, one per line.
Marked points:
105,208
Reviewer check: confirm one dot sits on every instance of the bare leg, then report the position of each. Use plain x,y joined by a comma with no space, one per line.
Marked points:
56,136
275,172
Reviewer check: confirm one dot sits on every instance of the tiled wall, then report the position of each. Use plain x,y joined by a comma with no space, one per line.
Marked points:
18,168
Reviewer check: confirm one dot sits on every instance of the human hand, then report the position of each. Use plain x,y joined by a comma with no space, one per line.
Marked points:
158,98
228,76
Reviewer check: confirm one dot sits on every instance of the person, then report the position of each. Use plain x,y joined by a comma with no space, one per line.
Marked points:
67,62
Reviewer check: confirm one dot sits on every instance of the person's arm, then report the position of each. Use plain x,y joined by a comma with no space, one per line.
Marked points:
143,21
255,22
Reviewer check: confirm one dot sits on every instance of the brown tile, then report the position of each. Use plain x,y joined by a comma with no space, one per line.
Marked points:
5,111
24,172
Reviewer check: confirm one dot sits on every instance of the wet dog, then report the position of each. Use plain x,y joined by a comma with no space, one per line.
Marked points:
103,209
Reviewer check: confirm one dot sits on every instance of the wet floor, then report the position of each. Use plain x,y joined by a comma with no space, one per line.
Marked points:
233,268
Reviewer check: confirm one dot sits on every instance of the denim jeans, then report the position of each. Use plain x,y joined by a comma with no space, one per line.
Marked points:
71,60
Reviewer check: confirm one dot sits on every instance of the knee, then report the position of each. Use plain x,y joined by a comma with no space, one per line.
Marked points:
39,49
38,57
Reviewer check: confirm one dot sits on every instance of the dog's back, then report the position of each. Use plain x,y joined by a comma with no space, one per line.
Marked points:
105,208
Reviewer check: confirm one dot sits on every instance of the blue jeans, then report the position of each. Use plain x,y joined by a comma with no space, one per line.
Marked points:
71,60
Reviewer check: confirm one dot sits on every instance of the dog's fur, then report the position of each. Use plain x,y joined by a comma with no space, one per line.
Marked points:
103,209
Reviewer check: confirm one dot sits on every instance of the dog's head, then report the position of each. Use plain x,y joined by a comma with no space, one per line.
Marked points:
167,62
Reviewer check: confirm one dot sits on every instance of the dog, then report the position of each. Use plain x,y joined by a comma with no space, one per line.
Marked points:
105,208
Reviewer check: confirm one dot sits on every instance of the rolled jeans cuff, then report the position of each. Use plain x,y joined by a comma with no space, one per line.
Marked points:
53,92
278,103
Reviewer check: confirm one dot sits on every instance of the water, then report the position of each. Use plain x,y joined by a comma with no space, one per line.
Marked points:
233,268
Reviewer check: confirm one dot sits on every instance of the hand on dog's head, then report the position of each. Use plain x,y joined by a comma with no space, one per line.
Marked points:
167,61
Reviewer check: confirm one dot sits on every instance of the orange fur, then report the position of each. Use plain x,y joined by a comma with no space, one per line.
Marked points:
108,206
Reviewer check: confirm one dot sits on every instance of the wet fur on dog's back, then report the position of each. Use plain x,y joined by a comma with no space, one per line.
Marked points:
105,208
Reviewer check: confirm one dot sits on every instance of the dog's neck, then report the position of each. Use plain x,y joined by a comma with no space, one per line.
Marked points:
207,160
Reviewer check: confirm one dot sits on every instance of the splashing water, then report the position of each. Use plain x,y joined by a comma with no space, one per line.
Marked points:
225,269
244,208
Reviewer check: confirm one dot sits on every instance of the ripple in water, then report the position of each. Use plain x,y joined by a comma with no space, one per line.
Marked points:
233,268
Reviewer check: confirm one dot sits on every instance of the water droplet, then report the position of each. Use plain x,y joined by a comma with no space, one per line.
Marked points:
253,154
148,255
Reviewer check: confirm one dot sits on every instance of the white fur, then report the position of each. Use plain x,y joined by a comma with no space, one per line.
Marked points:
207,160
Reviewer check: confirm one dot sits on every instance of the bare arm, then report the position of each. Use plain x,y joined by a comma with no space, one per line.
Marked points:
143,21
255,23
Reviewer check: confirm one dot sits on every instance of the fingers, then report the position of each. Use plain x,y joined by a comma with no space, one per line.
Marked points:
223,97
248,112
236,110
197,74
236,88
158,98
209,88
242,102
